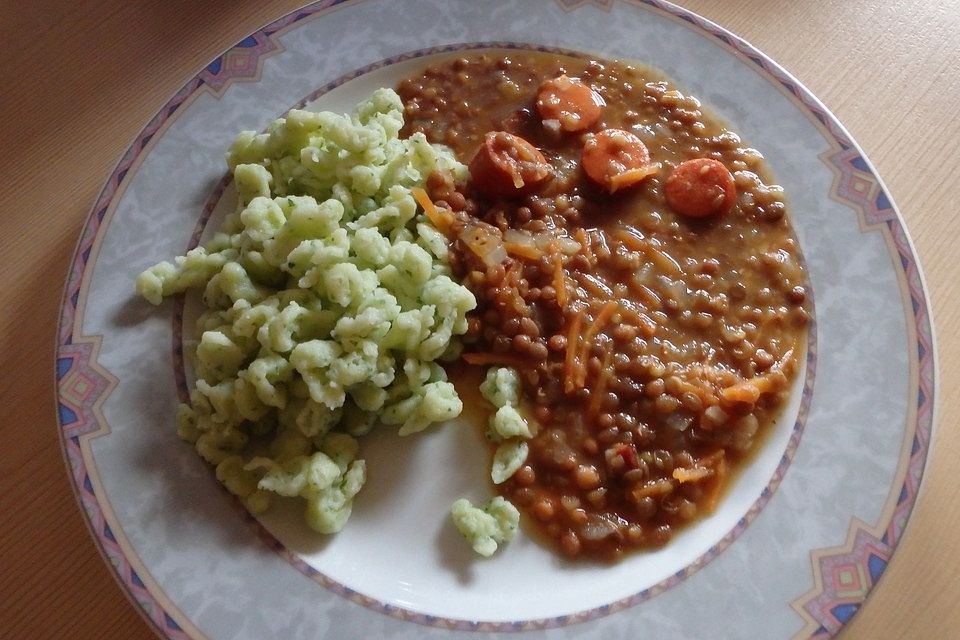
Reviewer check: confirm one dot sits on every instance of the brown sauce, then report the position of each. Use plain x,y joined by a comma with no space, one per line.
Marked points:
655,349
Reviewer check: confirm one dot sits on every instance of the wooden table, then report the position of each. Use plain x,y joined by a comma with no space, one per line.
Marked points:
81,77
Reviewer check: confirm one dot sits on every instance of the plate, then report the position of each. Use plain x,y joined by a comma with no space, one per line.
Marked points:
805,532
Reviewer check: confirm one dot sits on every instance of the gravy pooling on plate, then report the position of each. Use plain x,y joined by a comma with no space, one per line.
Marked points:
645,282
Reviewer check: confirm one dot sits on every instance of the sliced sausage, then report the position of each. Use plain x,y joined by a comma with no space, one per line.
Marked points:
700,187
615,159
507,165
570,102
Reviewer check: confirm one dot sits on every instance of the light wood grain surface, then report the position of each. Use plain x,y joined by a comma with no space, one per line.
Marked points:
78,80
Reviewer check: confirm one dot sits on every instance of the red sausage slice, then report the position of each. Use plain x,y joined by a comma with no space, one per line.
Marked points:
615,159
700,187
570,102
507,165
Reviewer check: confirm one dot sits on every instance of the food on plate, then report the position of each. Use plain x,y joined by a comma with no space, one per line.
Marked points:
506,165
507,428
614,159
328,306
700,187
615,257
641,297
568,104
486,527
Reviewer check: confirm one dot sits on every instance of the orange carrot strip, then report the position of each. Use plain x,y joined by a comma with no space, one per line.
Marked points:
559,281
694,474
585,245
751,389
595,285
633,242
651,489
598,321
745,391
656,256
596,397
649,296
573,338
647,325
522,250
630,315
504,359
632,176
440,219
663,261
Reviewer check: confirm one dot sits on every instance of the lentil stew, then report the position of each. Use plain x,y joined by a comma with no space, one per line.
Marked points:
633,260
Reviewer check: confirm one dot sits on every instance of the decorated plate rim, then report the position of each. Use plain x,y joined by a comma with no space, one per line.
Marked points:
823,609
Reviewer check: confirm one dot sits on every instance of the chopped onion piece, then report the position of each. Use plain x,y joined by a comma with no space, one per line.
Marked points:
715,416
568,245
486,242
679,421
515,236
598,528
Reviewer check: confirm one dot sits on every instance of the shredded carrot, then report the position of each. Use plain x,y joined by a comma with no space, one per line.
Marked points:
440,219
631,315
716,462
522,250
656,256
573,344
719,481
421,197
652,488
649,296
630,240
647,325
746,391
595,285
751,389
691,382
694,474
663,261
598,321
596,397
504,359
585,245
559,281
596,304
631,177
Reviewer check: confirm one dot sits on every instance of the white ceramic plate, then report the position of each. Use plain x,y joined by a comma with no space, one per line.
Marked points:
799,541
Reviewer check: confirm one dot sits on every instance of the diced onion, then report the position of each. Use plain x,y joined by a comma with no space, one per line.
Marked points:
679,421
568,246
486,242
598,528
515,236
715,415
